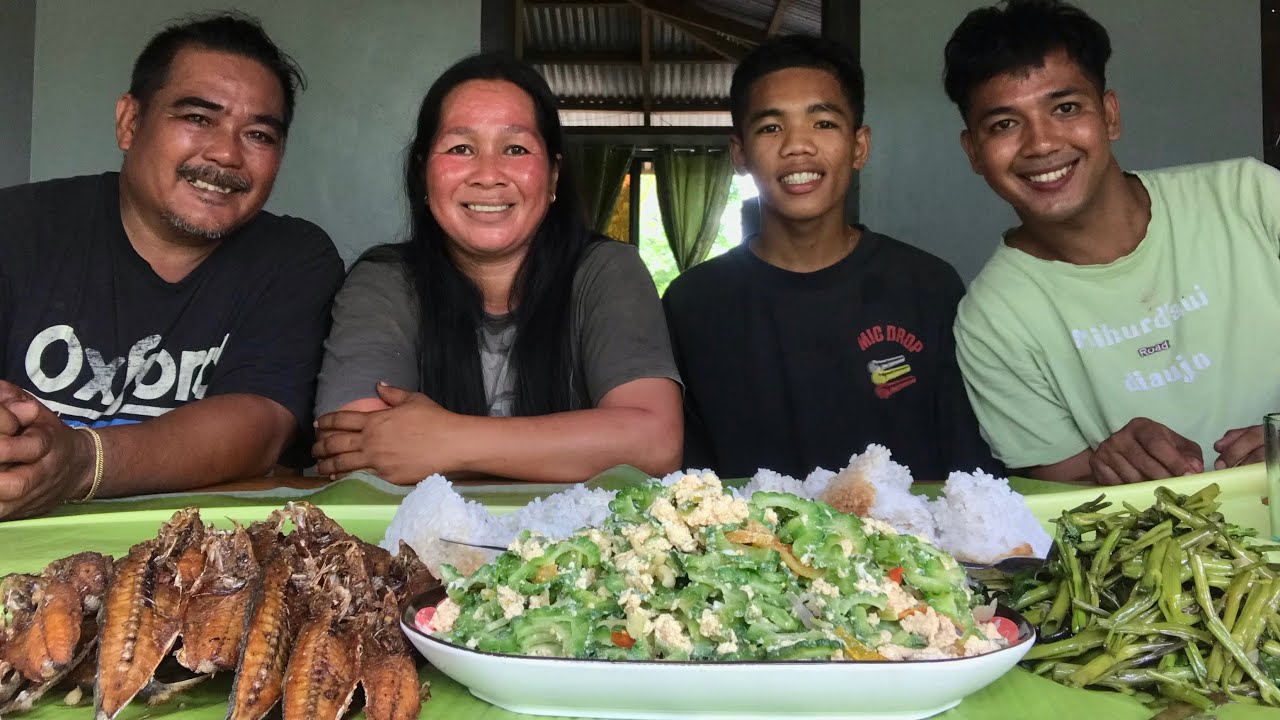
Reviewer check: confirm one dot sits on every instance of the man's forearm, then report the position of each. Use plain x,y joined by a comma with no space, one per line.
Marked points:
1075,469
220,438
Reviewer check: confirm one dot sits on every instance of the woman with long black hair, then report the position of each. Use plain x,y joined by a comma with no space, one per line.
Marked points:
503,338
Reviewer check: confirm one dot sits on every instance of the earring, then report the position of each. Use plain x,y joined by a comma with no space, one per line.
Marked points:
553,197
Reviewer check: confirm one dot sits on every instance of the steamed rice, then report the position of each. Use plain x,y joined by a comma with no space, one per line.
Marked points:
978,517
434,511
986,520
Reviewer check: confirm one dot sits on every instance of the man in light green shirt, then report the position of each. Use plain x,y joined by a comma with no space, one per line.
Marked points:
1129,328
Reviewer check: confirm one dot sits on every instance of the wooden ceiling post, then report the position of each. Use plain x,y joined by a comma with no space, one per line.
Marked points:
496,33
842,21
517,42
775,22
646,66
729,38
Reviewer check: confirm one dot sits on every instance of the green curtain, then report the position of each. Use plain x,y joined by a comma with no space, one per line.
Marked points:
599,170
693,188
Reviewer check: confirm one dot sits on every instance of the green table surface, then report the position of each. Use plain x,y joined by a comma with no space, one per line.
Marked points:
364,505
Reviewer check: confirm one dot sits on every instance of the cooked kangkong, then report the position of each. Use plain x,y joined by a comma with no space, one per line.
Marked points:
691,572
49,626
294,616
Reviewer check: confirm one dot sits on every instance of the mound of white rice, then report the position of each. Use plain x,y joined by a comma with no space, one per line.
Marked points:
434,510
981,519
557,516
873,485
766,480
978,518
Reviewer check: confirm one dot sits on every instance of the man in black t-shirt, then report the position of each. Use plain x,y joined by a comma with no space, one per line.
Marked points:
814,338
159,308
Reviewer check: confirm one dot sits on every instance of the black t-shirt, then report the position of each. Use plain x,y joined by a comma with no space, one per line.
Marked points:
91,330
792,371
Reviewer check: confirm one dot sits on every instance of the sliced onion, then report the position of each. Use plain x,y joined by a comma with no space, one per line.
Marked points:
984,613
802,612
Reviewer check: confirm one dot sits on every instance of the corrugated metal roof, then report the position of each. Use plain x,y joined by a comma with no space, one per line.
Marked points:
559,32
667,39
581,29
594,82
691,119
670,83
601,118
685,82
802,16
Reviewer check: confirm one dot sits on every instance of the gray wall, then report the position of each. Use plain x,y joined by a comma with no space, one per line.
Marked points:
367,65
1187,74
17,35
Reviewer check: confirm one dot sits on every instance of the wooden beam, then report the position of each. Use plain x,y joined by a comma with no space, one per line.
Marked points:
517,42
576,3
637,106
842,20
590,131
689,15
775,22
644,137
621,58
646,70
718,44
497,32
1271,81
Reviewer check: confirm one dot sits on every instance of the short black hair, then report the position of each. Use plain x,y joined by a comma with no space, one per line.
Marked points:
229,32
1016,36
803,51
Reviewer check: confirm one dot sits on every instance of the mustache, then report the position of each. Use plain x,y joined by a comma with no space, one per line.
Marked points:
213,176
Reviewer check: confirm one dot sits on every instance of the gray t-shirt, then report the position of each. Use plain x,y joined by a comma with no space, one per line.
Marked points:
618,333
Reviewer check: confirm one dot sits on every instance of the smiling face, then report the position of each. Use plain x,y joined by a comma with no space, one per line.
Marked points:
1042,140
800,144
489,177
202,155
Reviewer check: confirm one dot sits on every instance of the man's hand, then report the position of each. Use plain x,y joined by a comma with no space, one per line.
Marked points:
17,409
1144,450
408,441
42,464
1239,446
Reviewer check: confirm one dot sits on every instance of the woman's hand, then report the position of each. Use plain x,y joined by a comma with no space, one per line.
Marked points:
402,444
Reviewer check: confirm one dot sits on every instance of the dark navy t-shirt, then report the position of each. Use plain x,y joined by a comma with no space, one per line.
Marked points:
88,328
792,371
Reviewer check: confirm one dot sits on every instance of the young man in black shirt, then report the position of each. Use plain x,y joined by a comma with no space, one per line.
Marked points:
815,338
159,309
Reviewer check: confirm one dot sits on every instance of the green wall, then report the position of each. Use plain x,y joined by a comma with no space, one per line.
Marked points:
367,64
1187,74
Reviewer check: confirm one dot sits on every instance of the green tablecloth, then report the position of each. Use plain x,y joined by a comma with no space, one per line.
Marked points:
364,505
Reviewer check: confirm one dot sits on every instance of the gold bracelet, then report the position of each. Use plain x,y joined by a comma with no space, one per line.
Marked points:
97,463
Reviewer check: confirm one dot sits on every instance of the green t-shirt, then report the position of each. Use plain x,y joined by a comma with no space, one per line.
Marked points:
1184,330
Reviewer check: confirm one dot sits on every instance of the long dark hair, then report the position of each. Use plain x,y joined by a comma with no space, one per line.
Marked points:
450,306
